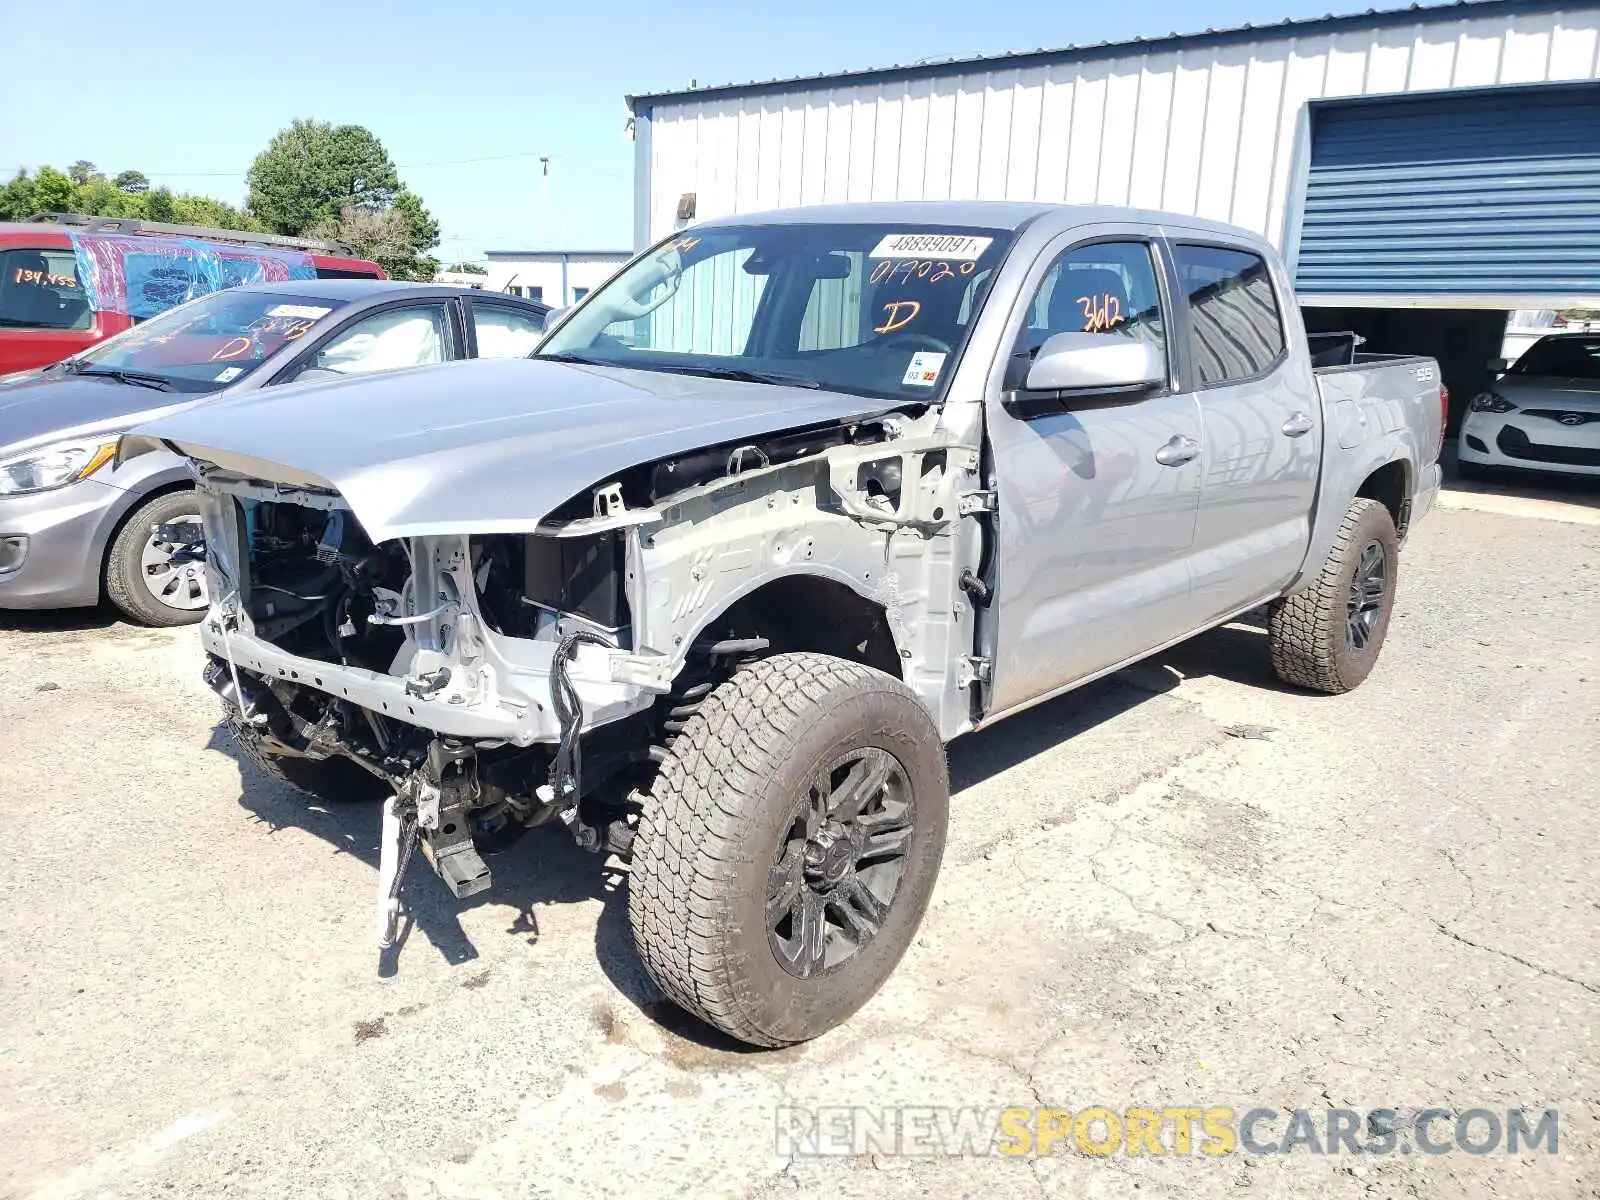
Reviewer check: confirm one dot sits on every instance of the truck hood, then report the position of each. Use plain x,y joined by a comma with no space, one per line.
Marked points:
58,406
485,446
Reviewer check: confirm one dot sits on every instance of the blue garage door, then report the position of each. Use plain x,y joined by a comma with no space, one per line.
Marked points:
1472,194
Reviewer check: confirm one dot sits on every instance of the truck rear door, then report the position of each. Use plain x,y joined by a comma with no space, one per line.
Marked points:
1261,422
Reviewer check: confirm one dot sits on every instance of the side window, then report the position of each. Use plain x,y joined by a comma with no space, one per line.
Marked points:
1235,329
1107,287
386,341
505,332
579,294
534,293
40,289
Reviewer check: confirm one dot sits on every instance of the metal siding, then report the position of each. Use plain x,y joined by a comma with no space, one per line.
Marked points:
1207,127
1495,193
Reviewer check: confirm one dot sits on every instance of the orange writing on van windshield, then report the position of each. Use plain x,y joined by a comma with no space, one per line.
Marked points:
1100,312
236,347
44,278
898,314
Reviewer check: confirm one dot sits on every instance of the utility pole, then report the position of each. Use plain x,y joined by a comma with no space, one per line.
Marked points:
544,202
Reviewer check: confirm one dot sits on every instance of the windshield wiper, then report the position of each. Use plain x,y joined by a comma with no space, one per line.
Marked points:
138,378
583,360
742,375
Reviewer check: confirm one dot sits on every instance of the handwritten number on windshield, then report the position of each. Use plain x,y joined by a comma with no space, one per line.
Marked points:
906,269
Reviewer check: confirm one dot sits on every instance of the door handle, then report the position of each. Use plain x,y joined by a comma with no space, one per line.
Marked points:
1178,451
1297,424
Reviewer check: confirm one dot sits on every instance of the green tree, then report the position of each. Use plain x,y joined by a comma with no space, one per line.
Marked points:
312,171
390,239
98,197
16,198
52,191
203,210
468,268
158,205
126,195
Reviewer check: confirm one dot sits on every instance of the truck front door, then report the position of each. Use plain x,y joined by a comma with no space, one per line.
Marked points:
1096,502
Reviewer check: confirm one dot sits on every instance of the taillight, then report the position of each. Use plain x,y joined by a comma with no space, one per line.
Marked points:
1444,419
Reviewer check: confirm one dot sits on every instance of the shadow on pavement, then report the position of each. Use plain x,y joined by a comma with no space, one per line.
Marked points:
61,620
545,867
1581,490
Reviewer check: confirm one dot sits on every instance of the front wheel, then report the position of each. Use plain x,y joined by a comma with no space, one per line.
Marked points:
150,578
790,847
1327,637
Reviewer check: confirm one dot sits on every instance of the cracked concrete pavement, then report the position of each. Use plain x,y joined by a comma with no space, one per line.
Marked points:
1183,885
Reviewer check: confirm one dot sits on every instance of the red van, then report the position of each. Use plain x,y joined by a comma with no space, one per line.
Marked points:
68,283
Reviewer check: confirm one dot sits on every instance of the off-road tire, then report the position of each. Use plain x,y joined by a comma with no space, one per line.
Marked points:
717,814
124,587
1307,631
336,780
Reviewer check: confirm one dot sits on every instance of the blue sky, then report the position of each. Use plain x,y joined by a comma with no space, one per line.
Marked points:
190,92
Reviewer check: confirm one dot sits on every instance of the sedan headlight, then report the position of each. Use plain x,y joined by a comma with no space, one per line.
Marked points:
47,467
1491,402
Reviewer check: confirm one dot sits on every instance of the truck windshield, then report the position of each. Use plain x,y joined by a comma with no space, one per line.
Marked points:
207,344
878,310
1561,357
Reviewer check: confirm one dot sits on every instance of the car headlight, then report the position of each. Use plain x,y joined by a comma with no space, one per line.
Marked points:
47,467
1491,402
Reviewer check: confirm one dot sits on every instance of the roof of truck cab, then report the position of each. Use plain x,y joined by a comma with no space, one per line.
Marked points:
988,214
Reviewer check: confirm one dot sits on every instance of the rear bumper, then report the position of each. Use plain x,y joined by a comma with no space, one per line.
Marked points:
52,545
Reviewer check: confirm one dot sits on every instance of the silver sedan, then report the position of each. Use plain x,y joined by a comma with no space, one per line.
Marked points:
75,525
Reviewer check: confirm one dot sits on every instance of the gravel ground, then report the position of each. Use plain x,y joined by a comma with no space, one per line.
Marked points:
1386,899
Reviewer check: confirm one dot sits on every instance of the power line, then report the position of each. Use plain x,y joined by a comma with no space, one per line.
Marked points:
442,162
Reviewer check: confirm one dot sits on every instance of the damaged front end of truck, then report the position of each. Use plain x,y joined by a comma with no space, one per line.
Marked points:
498,663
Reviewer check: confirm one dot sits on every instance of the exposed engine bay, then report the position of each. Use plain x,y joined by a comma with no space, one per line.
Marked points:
493,682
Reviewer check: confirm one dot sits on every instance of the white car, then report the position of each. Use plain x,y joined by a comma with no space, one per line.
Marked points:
1543,414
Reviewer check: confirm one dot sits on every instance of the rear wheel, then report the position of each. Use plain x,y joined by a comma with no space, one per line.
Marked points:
1327,637
790,847
148,576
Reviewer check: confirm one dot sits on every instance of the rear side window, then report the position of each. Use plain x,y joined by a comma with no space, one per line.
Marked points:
1235,328
41,289
504,332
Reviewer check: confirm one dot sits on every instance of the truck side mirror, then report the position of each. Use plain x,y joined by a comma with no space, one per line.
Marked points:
1091,365
1499,366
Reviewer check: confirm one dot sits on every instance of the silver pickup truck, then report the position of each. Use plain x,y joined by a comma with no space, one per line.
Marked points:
792,501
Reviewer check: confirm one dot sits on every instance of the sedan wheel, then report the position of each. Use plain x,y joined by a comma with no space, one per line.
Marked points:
159,578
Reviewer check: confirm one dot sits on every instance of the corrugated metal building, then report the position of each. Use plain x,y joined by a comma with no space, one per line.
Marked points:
1432,157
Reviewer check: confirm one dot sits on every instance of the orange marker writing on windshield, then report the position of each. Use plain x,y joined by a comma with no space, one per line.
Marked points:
900,314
